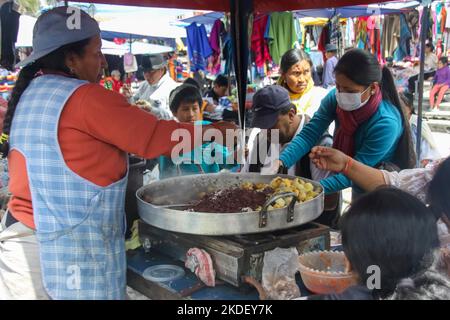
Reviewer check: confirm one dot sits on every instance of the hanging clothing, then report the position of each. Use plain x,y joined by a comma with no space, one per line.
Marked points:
391,33
447,20
443,19
324,40
403,50
215,40
335,32
437,18
413,21
349,33
282,35
199,48
259,45
361,32
227,54
9,19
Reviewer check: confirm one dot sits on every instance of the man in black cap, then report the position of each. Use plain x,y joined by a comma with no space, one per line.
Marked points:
157,87
273,110
328,78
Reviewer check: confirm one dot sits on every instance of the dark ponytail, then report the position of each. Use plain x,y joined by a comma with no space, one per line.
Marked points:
55,61
363,68
405,156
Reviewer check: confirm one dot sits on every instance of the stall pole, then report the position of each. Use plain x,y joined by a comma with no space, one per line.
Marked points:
423,35
240,13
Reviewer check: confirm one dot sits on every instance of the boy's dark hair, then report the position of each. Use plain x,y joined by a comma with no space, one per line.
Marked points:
185,93
221,81
192,82
438,194
429,45
392,230
444,60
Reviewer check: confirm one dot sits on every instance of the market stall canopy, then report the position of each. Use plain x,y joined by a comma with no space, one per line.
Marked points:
139,26
357,11
207,18
109,47
344,12
262,6
25,34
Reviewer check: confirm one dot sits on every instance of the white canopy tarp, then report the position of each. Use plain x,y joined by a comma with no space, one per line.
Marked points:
109,47
143,26
25,35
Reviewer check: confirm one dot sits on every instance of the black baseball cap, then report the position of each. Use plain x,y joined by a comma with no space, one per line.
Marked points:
267,104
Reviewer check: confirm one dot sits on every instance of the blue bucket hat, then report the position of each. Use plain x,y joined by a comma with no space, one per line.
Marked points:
58,27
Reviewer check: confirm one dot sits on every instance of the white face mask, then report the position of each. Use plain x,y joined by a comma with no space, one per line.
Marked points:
350,101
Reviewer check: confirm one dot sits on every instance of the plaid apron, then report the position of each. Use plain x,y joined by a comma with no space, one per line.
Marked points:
80,226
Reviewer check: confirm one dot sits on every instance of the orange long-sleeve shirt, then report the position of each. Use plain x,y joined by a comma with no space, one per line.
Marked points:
97,129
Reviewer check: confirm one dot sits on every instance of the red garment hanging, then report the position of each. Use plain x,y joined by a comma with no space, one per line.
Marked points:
323,41
259,44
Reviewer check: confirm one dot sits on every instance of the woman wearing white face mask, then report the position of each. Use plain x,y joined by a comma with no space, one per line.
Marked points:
370,123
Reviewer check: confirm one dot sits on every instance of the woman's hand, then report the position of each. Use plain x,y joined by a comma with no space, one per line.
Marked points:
328,159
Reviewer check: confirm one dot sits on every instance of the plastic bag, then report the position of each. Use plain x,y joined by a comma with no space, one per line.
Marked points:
278,274
151,175
199,261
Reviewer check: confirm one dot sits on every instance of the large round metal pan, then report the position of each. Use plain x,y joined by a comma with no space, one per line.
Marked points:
186,189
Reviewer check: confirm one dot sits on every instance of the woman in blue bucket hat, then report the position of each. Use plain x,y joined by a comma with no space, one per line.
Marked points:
67,140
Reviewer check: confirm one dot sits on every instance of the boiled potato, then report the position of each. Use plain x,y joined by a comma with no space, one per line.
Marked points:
275,183
261,186
309,187
288,200
302,196
247,186
280,202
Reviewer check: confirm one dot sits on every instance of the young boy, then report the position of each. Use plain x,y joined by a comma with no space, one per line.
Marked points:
219,89
185,103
